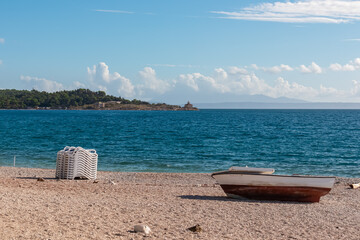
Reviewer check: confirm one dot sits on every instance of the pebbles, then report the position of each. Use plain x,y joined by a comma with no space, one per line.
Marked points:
169,203
195,229
142,229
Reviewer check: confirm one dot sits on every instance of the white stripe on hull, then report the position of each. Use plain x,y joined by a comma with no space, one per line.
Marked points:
273,180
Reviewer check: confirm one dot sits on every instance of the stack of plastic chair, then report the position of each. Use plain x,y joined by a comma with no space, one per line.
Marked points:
76,162
64,159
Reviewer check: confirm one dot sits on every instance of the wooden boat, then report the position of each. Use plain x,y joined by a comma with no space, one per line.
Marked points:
258,184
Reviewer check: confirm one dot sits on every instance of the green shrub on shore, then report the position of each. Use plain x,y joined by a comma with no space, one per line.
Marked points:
24,99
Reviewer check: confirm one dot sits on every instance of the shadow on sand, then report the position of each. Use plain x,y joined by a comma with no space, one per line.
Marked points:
213,198
35,178
227,199
50,178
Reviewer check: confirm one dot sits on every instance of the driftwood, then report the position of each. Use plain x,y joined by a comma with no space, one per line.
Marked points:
355,185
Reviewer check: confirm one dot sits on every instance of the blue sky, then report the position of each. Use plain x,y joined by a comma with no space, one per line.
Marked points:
174,51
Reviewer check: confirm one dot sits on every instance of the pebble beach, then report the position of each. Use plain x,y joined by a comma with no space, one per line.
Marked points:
35,205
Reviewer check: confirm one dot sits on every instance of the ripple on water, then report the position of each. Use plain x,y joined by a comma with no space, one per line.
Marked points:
322,142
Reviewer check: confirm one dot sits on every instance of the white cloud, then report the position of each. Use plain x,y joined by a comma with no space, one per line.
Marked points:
284,88
198,81
351,66
101,79
190,80
312,68
77,85
275,69
151,82
250,84
162,65
356,88
237,70
172,65
221,83
114,11
254,66
278,69
148,84
221,74
302,11
335,67
356,62
331,92
353,40
42,84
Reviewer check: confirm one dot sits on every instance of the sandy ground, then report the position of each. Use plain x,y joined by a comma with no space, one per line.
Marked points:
168,203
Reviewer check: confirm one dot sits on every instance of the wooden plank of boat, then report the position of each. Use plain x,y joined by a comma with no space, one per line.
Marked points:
274,187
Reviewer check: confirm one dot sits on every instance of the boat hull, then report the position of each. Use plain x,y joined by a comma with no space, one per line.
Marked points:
297,194
274,187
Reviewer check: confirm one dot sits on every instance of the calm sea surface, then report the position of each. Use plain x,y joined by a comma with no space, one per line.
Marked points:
321,142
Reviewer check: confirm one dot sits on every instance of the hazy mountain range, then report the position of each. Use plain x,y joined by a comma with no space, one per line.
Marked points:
263,105
263,102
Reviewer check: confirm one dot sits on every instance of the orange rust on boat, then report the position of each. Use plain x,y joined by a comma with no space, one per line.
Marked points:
281,193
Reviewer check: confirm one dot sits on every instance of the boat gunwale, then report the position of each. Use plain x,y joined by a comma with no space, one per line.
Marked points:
273,175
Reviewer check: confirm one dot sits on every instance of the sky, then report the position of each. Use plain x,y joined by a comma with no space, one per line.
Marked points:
178,50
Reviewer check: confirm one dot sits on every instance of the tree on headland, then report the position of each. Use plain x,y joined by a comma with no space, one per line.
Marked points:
22,99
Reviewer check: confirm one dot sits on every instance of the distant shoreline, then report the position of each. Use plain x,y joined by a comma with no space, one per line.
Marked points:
264,105
97,110
80,99
198,109
53,169
9,171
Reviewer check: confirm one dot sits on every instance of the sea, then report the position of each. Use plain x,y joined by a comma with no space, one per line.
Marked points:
307,142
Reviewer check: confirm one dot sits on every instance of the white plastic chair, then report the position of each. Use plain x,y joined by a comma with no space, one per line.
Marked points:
76,162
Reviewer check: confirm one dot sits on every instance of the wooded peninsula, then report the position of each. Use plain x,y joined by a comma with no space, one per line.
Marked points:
79,99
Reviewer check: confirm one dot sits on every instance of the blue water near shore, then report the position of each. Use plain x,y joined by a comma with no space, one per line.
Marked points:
320,142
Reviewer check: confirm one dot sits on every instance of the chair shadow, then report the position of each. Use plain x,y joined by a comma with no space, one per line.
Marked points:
52,178
45,178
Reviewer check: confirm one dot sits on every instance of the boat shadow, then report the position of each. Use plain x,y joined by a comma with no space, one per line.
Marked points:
227,199
213,198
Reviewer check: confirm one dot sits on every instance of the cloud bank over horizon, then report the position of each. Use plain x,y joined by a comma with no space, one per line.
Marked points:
229,81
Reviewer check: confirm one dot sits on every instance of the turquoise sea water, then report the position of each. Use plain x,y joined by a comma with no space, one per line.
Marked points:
321,142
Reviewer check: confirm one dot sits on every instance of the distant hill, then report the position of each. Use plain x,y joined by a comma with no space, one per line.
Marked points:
176,97
235,101
277,105
257,98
